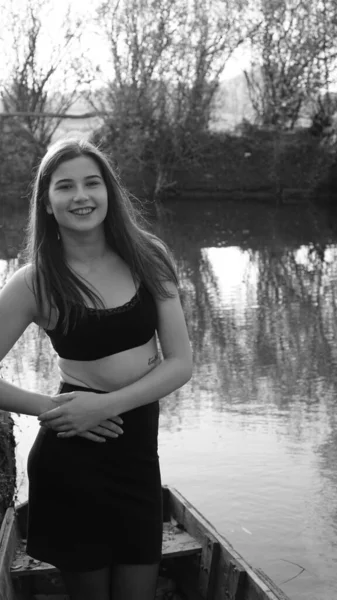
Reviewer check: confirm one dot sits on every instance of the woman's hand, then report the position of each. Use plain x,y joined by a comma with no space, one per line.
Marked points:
109,428
83,414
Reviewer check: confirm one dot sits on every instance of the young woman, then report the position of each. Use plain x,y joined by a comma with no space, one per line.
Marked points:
102,287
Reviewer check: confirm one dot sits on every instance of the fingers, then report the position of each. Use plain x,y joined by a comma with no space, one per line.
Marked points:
62,398
89,436
56,424
111,427
55,420
52,415
97,434
106,428
85,434
107,432
118,420
69,434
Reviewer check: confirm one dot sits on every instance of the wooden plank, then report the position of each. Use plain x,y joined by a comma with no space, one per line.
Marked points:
23,564
208,565
186,574
166,588
244,583
261,588
236,581
200,528
176,542
51,597
8,543
166,503
271,583
21,511
295,196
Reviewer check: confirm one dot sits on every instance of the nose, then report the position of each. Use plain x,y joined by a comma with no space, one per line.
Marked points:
81,194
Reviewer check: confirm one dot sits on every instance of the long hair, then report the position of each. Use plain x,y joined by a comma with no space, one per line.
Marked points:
126,232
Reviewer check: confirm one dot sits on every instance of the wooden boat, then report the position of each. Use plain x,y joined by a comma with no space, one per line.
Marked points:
197,564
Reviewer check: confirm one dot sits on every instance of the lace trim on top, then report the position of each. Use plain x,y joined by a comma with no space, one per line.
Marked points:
118,309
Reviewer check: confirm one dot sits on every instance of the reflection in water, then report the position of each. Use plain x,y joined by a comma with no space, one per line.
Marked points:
261,318
259,416
30,363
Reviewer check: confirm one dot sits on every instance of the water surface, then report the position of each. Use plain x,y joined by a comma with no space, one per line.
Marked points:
251,440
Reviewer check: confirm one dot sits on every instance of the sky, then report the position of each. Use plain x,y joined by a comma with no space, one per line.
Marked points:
92,44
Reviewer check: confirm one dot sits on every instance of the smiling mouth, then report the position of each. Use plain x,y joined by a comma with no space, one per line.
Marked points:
82,211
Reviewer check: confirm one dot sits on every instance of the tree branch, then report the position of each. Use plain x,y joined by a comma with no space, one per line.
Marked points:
52,115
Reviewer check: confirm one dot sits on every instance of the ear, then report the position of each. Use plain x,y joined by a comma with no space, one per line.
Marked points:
49,209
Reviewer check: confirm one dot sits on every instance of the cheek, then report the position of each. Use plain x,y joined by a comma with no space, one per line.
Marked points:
47,203
105,201
51,206
56,208
51,203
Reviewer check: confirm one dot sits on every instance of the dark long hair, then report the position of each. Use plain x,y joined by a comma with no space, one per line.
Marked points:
126,232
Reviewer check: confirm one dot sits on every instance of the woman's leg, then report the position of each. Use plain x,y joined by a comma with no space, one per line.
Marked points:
134,582
89,585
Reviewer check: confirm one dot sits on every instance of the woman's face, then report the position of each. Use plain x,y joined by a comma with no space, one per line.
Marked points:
77,195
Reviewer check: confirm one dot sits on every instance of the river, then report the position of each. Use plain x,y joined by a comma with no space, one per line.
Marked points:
251,440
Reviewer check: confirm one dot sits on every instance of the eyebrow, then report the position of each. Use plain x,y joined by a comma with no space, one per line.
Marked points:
68,180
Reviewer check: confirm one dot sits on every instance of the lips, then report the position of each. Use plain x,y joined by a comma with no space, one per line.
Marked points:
83,211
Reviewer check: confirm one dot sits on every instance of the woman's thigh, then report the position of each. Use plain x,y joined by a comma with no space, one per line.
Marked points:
134,582
89,585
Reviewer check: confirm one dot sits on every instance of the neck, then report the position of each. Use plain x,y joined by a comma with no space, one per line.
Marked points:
84,248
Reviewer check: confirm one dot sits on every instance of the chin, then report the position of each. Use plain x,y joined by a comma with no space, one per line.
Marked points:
81,227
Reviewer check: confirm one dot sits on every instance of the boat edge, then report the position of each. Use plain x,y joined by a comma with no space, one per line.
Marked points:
256,579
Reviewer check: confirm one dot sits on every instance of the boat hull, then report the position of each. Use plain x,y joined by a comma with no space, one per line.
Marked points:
198,563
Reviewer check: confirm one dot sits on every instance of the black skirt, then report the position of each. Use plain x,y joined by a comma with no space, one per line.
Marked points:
91,504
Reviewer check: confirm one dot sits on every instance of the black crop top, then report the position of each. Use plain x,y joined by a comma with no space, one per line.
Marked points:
111,331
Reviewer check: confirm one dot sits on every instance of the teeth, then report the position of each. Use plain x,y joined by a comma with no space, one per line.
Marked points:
82,211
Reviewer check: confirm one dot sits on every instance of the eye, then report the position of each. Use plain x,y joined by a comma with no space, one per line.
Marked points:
64,186
93,183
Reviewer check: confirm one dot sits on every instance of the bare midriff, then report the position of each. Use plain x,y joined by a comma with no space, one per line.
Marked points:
111,372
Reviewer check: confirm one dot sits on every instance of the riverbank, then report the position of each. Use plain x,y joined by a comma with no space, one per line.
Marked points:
241,222
251,164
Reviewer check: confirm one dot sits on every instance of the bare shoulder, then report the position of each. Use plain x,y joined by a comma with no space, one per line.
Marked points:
18,292
23,278
17,308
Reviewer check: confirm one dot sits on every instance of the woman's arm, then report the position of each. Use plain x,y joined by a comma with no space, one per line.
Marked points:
17,400
86,409
17,311
172,373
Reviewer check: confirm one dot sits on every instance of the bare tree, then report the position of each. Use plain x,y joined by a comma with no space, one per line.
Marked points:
293,53
166,60
324,103
42,73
